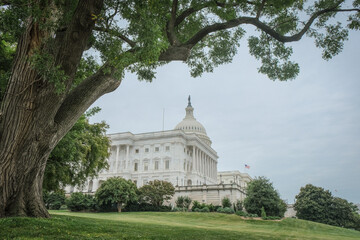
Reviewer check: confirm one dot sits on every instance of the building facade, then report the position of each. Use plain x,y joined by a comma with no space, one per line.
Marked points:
182,156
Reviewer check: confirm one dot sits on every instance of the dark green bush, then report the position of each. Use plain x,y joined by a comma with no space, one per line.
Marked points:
183,202
226,203
54,200
228,210
177,209
241,213
239,205
145,207
263,213
220,210
196,204
205,209
81,202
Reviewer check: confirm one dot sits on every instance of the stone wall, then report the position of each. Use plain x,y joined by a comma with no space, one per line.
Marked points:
210,193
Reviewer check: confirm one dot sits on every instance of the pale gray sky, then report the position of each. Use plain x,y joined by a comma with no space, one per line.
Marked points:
296,132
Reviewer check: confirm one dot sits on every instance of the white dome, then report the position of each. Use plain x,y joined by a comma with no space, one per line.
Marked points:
190,125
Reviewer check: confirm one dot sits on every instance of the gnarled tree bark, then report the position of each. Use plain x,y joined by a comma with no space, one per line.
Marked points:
28,130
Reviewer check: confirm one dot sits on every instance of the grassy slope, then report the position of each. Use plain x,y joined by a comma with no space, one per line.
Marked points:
68,225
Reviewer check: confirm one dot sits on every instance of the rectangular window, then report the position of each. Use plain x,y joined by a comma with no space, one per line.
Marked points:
146,150
146,166
167,148
167,164
156,149
135,167
156,167
136,150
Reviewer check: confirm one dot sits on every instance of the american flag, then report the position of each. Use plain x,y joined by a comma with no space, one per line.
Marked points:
247,166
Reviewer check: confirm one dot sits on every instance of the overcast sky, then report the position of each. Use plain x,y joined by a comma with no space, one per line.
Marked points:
294,133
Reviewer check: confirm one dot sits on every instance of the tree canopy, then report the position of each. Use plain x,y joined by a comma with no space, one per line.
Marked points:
260,193
116,190
47,89
319,205
156,192
80,155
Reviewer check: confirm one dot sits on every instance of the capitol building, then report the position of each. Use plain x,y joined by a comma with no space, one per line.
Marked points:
182,156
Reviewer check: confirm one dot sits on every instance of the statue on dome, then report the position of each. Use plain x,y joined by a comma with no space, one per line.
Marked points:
189,101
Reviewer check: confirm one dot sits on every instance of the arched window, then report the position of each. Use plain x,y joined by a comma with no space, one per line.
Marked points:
90,186
189,183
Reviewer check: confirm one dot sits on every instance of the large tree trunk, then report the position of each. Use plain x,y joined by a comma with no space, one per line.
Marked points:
25,140
33,118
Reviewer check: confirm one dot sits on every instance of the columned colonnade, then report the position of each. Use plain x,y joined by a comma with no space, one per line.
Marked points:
118,160
204,164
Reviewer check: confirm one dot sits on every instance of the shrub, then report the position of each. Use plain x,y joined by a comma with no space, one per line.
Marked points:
228,210
183,202
177,209
205,209
241,213
187,202
179,202
54,200
220,210
263,213
225,202
81,202
239,205
216,208
145,207
196,204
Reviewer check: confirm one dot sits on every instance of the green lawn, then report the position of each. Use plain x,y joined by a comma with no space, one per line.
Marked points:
150,225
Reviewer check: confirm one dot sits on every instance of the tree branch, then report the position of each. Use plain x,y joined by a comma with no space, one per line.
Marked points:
117,34
258,13
262,26
74,40
4,2
170,26
192,10
85,94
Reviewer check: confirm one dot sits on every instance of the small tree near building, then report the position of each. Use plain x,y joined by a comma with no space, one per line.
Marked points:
116,190
261,193
225,202
156,192
183,202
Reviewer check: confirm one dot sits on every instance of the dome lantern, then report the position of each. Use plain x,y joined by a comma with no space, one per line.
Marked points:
190,125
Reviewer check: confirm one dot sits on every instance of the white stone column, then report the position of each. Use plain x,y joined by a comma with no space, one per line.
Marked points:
116,159
197,159
214,170
207,166
127,156
193,159
201,163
